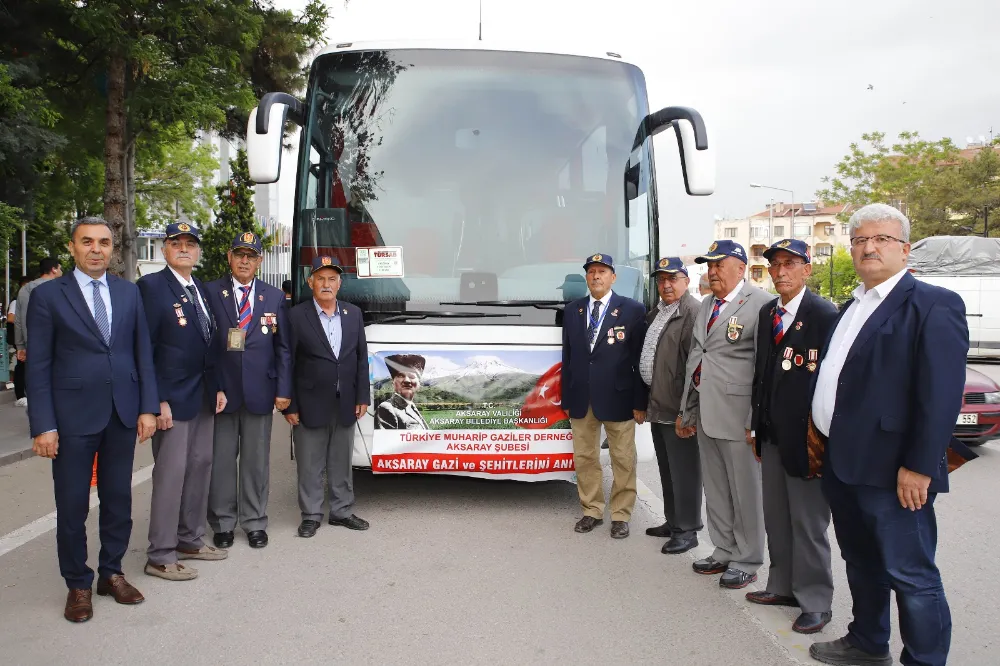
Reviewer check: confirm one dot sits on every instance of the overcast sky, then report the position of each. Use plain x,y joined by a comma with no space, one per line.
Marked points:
782,84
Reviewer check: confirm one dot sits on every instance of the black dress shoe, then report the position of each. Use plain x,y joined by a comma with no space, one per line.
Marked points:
810,623
587,524
663,531
842,653
352,522
223,539
679,544
619,529
308,528
771,599
709,565
257,538
734,579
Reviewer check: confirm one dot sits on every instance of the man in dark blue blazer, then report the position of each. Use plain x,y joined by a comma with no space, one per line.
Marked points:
886,400
185,347
256,371
92,387
330,392
602,342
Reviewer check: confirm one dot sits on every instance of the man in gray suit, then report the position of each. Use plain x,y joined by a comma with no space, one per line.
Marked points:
716,404
399,412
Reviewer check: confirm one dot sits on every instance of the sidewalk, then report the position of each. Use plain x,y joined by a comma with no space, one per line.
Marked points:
15,442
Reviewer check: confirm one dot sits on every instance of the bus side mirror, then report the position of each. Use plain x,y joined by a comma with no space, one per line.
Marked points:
697,161
265,132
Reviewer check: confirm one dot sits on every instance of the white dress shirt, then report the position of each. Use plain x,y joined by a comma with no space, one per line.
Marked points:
189,282
791,309
858,312
87,288
600,317
728,299
238,291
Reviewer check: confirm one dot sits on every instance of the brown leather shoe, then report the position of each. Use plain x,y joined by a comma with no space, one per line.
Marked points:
587,524
619,529
78,606
120,589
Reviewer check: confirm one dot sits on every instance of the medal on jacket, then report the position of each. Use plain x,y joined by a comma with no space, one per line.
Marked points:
181,319
236,340
813,357
787,363
611,336
733,330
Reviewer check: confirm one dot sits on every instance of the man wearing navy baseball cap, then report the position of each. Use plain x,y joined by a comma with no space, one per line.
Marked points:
716,406
330,392
602,341
791,331
256,370
662,366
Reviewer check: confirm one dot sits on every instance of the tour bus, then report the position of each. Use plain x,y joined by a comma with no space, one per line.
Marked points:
461,186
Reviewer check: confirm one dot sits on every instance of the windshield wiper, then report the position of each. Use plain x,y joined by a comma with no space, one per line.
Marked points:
541,305
422,314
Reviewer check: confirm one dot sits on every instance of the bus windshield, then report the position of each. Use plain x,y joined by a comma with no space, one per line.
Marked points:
490,175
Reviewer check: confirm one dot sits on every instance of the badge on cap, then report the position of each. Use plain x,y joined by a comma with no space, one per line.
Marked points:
713,247
664,263
248,237
326,261
596,257
183,227
784,243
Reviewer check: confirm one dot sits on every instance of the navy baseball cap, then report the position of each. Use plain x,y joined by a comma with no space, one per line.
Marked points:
180,228
722,249
603,259
324,261
249,240
670,265
791,245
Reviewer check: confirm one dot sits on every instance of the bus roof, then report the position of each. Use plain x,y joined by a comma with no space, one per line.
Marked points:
473,45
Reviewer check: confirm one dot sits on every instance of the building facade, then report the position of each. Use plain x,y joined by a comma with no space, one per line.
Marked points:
812,222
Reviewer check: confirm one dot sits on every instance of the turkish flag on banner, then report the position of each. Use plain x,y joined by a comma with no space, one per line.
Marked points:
543,406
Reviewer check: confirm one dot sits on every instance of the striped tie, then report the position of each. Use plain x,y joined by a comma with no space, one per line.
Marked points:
696,377
101,313
777,328
245,309
594,322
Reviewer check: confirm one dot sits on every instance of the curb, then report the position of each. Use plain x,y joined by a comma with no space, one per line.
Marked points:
7,399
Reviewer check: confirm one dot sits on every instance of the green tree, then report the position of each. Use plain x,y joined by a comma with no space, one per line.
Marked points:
234,215
968,195
845,278
173,177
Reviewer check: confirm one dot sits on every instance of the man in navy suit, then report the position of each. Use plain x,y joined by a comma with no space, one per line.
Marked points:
791,330
92,389
602,342
887,397
182,331
256,371
330,392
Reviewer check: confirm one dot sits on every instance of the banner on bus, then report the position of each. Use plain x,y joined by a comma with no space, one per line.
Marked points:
493,413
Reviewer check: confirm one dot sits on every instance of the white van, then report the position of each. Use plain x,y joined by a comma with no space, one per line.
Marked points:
969,266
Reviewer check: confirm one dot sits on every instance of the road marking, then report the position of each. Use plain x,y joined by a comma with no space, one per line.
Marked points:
47,523
772,621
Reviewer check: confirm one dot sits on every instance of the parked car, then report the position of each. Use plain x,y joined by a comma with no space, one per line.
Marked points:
979,419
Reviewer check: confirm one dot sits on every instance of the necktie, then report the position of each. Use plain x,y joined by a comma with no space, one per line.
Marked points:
696,377
101,313
594,321
777,328
245,309
202,317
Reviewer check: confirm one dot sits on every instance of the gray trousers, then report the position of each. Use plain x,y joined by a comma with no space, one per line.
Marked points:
329,449
182,470
680,477
245,436
797,516
732,501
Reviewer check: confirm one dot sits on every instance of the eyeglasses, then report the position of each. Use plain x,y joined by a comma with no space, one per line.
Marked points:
880,240
245,255
788,265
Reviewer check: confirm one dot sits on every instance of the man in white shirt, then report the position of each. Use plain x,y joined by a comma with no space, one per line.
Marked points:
887,397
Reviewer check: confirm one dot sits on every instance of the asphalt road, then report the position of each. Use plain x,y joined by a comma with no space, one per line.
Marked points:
453,571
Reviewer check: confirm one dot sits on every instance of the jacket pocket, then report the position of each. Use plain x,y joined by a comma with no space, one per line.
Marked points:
739,389
892,424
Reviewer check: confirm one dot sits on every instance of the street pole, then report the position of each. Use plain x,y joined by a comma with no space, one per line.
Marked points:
832,299
24,249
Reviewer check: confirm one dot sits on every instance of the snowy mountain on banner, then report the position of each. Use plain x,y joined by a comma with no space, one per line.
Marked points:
485,377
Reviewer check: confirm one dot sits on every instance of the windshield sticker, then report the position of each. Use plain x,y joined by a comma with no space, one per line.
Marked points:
380,262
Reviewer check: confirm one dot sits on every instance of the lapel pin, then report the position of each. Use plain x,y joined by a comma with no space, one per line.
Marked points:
184,299
225,293
581,310
614,313
344,311
261,298
798,326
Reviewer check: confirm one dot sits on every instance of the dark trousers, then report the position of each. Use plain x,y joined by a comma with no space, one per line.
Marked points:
680,478
19,375
887,547
71,473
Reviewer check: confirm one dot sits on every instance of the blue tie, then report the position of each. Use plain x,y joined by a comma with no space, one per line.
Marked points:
101,313
594,322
